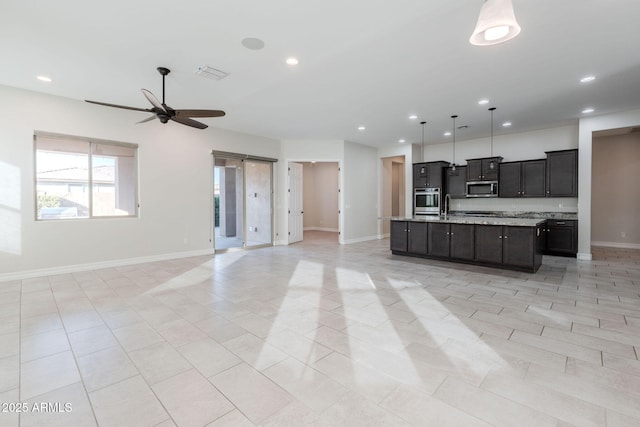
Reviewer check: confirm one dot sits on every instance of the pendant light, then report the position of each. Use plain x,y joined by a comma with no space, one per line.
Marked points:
453,132
492,163
496,23
422,152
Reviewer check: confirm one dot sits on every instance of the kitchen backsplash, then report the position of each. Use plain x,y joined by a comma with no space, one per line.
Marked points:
496,204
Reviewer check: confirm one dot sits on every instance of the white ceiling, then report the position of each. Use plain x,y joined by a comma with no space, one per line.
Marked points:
362,62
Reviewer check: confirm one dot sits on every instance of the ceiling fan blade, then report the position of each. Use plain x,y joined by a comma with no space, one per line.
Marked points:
187,121
148,119
119,106
200,113
153,100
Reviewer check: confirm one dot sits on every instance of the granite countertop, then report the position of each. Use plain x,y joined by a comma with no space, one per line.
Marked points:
518,214
482,220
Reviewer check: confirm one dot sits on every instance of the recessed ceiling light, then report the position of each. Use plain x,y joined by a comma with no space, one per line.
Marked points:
292,61
413,117
588,110
44,79
506,124
447,133
361,128
483,102
587,79
401,141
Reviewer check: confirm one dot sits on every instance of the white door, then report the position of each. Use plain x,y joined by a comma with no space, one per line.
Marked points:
295,202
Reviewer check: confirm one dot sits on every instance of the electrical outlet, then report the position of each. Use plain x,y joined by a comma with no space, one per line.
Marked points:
623,234
185,241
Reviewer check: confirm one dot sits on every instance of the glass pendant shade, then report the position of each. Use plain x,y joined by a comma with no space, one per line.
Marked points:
496,23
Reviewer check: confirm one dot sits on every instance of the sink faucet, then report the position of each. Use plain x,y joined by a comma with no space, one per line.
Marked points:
447,199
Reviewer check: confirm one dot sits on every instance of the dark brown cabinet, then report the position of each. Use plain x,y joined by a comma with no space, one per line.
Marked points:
429,174
562,173
522,179
513,247
409,237
462,241
489,243
561,237
399,236
509,246
483,169
417,238
456,182
438,239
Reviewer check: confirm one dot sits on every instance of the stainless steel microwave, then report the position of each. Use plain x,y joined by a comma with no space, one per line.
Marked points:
482,189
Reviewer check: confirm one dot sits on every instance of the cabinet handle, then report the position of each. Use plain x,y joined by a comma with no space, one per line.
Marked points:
560,223
450,234
500,237
506,237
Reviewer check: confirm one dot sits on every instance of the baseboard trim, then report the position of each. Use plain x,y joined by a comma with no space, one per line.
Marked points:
583,257
617,245
28,274
332,230
360,239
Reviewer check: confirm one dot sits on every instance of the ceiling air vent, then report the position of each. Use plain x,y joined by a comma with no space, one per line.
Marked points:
211,73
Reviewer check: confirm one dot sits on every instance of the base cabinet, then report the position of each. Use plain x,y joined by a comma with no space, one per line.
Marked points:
438,240
513,247
462,241
561,237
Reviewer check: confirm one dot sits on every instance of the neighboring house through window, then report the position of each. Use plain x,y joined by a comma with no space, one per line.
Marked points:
79,177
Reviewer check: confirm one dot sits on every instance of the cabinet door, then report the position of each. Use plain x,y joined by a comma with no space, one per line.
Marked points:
509,184
533,178
399,236
457,182
434,175
489,243
518,246
562,173
490,168
417,237
474,170
438,239
562,237
462,241
419,175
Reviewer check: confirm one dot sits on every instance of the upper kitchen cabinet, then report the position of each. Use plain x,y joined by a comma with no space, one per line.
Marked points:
429,174
457,182
522,179
485,169
562,173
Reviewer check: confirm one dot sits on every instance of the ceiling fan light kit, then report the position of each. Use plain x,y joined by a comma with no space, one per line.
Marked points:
163,112
496,23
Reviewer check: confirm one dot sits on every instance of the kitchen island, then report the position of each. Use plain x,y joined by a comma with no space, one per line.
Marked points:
511,243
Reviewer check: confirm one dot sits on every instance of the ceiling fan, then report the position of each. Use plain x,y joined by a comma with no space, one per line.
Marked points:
163,112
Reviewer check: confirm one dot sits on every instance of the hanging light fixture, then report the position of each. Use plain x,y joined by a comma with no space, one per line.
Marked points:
422,152
492,163
496,23
453,132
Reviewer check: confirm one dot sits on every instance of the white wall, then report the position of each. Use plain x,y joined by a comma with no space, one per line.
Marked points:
361,193
615,199
175,178
409,153
320,196
586,128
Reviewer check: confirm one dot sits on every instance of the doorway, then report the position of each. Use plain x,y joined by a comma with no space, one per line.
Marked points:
313,201
243,211
393,190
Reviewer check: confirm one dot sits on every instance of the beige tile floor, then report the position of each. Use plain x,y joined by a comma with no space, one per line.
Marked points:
327,335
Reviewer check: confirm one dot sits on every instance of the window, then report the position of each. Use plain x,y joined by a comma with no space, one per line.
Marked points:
84,178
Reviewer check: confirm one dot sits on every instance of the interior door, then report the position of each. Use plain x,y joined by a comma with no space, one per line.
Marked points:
295,202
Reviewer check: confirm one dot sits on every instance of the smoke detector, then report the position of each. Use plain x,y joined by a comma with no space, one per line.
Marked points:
211,73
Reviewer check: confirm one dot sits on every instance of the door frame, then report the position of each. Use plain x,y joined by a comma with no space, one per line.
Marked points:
340,193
